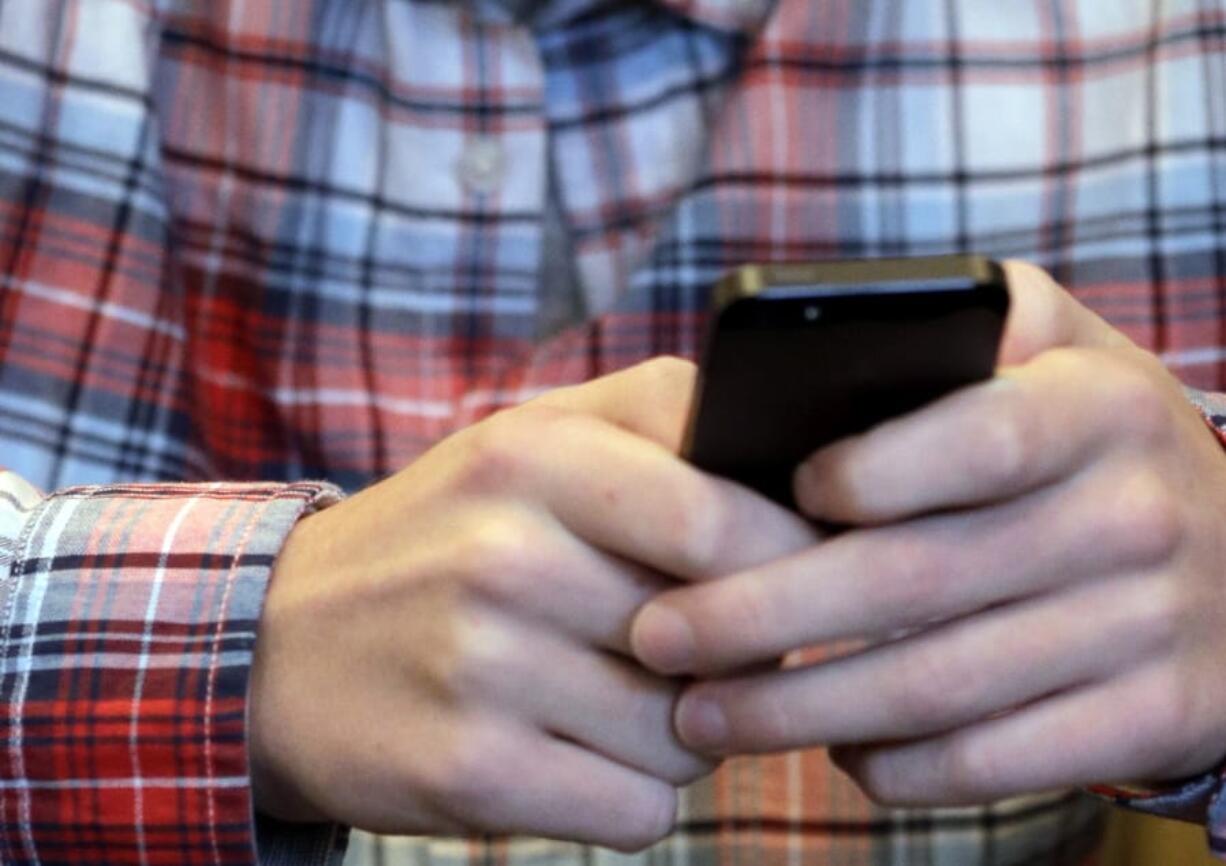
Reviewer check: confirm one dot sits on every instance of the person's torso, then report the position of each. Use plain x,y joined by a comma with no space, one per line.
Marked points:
304,240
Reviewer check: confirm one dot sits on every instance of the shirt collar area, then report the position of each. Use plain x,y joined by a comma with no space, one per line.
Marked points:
737,16
746,17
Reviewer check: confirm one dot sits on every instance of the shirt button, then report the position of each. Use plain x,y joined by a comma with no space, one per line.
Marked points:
482,165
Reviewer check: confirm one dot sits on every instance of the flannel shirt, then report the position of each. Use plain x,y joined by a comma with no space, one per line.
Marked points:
244,244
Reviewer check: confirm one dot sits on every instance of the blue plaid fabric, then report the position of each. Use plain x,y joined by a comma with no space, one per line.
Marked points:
262,242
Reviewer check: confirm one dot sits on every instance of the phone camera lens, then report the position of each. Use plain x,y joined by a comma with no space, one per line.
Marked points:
812,313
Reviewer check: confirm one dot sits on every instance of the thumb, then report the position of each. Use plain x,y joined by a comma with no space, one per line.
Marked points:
1043,315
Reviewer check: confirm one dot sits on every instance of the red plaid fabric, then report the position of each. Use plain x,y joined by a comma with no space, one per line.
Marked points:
129,619
261,242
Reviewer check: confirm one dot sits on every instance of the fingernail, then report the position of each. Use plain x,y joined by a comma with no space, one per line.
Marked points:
662,638
701,723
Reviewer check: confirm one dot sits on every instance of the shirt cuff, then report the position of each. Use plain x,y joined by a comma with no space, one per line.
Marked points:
127,624
1200,800
285,844
1212,408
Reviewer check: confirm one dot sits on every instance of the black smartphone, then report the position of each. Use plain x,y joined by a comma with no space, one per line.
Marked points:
798,356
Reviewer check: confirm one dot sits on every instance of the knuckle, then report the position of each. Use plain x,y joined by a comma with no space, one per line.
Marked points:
473,661
700,522
669,374
467,776
969,772
505,450
909,576
497,555
931,691
750,612
1003,451
549,427
1145,519
926,688
1165,612
496,454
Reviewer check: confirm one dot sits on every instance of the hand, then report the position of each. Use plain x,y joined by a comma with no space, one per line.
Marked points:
1036,568
448,651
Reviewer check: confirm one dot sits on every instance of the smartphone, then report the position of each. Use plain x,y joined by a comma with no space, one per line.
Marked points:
800,355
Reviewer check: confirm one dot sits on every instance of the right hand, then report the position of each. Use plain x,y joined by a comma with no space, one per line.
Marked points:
448,651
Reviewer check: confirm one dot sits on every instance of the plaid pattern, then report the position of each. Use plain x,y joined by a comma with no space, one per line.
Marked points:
129,616
245,241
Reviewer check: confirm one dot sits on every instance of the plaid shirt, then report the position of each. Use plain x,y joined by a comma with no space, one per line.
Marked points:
245,244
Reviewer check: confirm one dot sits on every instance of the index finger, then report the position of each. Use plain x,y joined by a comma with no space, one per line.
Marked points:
651,399
1029,427
1033,424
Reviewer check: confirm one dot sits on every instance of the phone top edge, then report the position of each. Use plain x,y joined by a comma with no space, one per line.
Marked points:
934,273
876,287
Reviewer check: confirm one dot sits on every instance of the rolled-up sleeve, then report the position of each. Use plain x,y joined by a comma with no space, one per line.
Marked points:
128,618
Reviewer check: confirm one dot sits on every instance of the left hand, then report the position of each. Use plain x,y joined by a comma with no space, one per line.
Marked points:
1037,565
